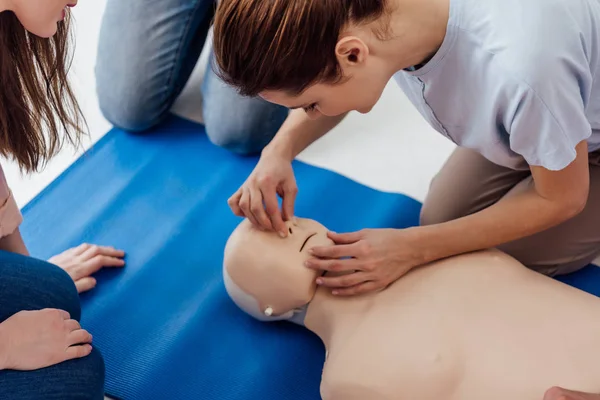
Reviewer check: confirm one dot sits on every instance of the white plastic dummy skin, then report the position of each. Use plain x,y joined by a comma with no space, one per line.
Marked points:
479,326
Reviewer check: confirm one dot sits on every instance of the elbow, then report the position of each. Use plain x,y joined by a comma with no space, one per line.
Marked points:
574,205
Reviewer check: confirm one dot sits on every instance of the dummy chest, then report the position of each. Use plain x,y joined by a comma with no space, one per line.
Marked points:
392,356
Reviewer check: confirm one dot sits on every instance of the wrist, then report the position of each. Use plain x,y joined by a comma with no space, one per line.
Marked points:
278,150
427,245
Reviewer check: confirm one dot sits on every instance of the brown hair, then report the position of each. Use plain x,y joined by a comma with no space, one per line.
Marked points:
37,107
283,44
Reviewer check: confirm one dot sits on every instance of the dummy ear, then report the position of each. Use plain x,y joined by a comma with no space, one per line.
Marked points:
351,51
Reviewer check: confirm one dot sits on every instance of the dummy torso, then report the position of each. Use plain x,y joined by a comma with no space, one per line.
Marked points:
474,327
478,326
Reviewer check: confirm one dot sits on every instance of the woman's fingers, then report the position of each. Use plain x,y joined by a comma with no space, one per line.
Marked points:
80,336
72,325
84,268
94,250
257,208
245,207
234,203
85,284
77,351
269,194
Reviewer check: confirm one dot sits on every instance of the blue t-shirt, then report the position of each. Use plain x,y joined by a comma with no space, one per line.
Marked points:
516,80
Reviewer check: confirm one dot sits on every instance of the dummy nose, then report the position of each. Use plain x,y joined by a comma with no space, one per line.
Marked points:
292,225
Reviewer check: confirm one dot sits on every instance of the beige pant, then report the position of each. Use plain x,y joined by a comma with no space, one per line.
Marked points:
469,183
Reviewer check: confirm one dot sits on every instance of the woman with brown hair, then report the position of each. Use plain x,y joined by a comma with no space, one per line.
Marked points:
515,84
44,352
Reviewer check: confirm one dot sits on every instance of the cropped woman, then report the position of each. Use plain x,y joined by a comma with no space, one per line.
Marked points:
44,352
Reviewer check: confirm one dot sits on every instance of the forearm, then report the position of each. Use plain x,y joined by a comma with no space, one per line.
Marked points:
299,131
14,243
510,219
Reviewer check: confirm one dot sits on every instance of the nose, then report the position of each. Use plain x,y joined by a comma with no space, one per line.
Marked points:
292,225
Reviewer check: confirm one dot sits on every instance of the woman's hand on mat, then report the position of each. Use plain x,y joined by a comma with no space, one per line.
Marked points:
31,340
86,259
367,260
257,198
558,393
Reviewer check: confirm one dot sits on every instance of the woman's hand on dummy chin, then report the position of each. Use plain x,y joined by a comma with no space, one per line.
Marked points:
370,259
84,260
257,198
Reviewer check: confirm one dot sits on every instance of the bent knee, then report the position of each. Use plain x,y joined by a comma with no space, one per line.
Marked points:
246,132
130,113
237,139
33,284
80,378
89,382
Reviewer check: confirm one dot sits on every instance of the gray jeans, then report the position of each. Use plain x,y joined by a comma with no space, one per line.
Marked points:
469,183
147,52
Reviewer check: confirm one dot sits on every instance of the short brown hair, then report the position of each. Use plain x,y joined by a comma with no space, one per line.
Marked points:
38,110
283,44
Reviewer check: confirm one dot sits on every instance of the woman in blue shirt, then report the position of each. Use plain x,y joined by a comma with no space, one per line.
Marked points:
513,83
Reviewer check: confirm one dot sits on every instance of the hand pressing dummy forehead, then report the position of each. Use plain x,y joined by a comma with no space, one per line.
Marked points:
471,327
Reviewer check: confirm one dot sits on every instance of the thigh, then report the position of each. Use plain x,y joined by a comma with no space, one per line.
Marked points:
146,53
77,379
240,124
566,247
467,183
27,283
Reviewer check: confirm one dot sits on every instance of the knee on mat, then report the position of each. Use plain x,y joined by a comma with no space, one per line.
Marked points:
247,132
128,109
235,138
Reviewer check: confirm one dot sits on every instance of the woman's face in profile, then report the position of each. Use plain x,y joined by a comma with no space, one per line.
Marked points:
41,17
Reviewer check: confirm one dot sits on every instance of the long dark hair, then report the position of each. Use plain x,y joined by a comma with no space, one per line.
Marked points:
38,110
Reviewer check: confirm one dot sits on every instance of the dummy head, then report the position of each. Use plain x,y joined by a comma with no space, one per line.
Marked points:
265,275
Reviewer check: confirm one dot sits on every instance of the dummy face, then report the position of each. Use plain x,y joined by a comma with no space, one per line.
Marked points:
270,270
364,79
40,17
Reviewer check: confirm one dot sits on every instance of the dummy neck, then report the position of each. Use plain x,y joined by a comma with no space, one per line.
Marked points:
330,316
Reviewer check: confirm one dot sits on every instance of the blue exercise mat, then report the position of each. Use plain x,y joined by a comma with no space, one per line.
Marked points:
164,323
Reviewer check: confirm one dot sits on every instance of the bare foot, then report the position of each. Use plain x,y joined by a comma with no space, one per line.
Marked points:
557,393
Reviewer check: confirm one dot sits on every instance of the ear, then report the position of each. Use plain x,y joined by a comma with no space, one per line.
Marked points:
351,51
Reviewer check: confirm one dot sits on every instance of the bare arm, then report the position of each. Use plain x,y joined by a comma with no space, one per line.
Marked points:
14,243
298,132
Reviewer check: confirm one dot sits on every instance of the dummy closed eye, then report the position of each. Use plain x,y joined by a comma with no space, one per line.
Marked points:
304,244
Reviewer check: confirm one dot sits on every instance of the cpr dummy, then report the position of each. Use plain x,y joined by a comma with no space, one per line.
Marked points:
479,326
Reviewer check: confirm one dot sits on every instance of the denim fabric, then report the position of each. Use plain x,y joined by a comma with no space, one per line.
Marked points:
146,53
30,284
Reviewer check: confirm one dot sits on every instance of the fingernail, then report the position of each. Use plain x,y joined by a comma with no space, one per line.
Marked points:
335,293
307,264
311,251
319,281
282,234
